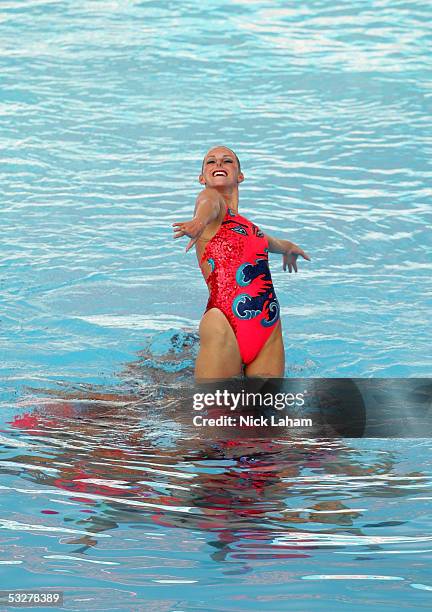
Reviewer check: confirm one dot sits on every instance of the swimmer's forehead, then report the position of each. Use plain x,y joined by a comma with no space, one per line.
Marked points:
212,152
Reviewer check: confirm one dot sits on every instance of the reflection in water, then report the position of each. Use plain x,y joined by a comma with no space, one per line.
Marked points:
131,461
116,485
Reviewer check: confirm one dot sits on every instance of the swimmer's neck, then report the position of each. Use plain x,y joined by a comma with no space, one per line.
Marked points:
230,198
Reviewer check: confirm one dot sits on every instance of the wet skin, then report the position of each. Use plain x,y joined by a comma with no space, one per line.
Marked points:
219,355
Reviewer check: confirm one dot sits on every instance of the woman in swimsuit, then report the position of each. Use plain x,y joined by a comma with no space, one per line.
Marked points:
241,325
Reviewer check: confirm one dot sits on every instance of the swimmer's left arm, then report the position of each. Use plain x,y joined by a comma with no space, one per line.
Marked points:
288,250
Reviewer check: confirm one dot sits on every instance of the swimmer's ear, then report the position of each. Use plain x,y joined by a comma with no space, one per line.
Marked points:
201,179
240,177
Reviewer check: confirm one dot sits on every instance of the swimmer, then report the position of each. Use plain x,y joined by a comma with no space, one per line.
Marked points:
240,331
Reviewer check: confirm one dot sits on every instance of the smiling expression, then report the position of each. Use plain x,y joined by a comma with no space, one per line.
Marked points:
220,168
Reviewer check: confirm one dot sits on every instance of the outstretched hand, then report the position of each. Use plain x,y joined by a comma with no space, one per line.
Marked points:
193,229
289,257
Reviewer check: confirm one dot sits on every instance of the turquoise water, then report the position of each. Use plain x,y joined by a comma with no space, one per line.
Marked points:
106,110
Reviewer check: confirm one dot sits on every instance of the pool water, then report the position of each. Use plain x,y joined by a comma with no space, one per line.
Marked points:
107,109
122,505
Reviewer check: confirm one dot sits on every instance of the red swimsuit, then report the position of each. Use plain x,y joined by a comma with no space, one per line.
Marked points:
240,284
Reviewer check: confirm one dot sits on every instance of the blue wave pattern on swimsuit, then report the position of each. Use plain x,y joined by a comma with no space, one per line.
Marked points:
247,306
239,230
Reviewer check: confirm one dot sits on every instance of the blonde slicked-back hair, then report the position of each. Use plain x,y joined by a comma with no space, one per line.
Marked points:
222,147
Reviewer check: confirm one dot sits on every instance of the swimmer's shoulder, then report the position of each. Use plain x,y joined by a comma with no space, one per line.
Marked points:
210,194
211,228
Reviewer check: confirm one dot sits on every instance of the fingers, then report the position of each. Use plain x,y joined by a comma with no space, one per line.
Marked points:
298,251
178,230
290,259
178,226
190,244
286,262
291,262
186,228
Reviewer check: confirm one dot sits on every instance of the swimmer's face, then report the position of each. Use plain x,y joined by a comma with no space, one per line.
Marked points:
220,169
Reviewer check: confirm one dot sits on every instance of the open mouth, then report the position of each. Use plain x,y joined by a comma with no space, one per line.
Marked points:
220,173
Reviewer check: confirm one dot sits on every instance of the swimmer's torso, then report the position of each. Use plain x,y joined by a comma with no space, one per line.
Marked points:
234,263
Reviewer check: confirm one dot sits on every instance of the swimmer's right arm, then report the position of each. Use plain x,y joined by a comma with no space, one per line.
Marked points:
207,209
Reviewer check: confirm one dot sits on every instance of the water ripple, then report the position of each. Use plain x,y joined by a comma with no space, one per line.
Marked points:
106,110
